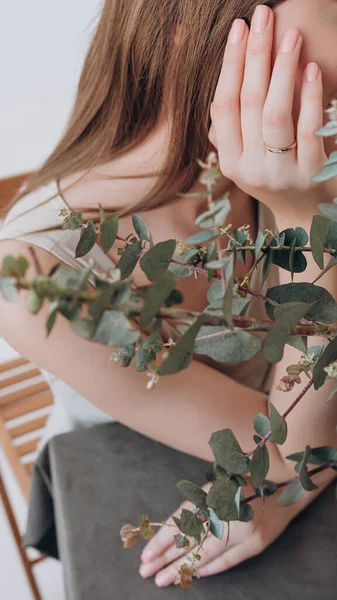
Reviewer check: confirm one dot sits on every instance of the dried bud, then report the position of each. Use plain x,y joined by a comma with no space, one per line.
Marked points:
145,528
331,370
185,576
153,381
129,535
286,384
66,223
115,358
181,247
294,369
181,541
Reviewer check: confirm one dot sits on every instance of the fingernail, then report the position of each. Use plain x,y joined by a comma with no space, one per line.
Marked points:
237,33
261,18
290,40
145,570
147,554
312,72
160,579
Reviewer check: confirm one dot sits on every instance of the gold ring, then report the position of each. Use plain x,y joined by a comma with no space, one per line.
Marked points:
281,150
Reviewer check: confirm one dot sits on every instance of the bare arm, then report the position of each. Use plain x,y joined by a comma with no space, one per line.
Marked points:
182,411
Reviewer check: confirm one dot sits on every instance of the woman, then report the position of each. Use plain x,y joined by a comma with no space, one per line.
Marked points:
143,104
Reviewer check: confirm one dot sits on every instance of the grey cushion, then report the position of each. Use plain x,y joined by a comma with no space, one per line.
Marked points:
109,475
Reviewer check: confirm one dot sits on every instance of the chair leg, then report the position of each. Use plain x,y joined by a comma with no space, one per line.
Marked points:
12,521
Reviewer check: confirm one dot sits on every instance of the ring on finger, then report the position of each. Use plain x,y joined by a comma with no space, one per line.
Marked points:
281,150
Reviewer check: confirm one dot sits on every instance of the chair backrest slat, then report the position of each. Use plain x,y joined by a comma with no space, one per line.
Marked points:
19,377
27,447
12,364
22,403
25,392
23,406
27,427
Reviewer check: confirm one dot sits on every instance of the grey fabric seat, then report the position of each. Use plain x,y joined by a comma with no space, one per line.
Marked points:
108,475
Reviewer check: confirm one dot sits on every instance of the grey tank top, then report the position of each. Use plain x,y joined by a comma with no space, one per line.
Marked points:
36,220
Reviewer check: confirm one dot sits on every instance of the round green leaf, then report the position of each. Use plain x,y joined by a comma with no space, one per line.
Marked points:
221,498
293,492
181,355
109,231
259,466
234,347
129,259
141,228
278,425
228,453
157,259
324,310
87,240
193,493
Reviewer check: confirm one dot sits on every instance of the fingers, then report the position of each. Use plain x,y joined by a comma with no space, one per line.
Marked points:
233,557
311,146
256,78
172,553
163,539
211,549
278,126
225,109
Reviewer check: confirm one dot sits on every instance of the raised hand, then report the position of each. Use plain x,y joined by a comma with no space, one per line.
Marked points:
266,143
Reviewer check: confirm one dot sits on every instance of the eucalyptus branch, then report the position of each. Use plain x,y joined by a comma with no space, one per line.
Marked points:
284,416
312,472
122,315
331,251
247,323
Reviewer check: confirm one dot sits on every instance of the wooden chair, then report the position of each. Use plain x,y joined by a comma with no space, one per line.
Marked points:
9,186
18,418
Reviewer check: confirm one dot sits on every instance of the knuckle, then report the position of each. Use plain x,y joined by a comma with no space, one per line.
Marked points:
277,186
259,543
253,179
227,104
307,136
226,167
212,138
256,48
275,118
251,100
227,564
231,58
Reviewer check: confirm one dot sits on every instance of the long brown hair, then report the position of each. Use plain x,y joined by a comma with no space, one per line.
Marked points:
120,94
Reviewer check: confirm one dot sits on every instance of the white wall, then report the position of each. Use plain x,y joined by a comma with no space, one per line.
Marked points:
42,47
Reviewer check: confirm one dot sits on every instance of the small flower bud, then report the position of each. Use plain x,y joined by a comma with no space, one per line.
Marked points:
129,535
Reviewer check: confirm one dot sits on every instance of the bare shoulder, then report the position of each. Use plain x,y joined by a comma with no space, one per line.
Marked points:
82,364
63,353
24,331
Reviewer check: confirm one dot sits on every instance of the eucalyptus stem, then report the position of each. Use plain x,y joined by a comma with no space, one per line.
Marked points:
217,241
288,481
332,251
182,315
284,416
